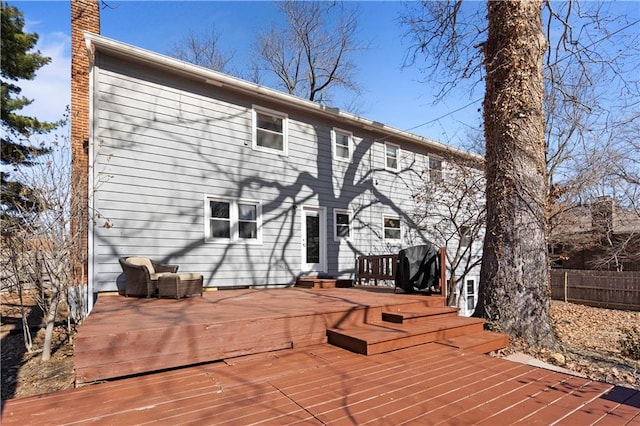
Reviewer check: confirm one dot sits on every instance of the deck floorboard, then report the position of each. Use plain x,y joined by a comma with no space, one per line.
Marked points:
319,384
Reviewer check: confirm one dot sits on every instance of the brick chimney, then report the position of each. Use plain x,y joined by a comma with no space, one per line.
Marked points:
85,16
602,211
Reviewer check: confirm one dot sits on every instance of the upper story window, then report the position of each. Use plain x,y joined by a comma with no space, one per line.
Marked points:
342,221
269,130
391,157
392,229
342,144
232,220
435,170
465,236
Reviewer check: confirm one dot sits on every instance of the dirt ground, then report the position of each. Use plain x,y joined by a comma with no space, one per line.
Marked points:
24,373
590,345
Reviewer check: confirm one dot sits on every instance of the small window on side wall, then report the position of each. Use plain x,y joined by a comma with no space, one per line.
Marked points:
342,144
465,236
342,221
269,130
391,157
392,229
435,170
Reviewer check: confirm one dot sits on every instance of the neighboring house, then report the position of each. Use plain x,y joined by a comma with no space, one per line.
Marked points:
597,236
245,184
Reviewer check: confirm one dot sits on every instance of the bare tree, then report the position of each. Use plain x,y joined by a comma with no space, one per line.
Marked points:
514,283
204,50
450,211
580,56
42,247
313,53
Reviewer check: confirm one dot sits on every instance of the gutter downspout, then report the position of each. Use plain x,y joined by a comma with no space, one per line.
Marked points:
90,183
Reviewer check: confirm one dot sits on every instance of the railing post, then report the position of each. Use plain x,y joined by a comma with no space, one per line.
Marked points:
566,281
443,271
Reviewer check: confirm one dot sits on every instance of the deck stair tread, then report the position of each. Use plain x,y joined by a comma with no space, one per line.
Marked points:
373,338
482,342
315,282
418,315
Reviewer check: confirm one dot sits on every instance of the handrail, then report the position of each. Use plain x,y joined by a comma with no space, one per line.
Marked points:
382,267
377,267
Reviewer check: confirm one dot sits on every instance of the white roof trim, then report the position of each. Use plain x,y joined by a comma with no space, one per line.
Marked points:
215,78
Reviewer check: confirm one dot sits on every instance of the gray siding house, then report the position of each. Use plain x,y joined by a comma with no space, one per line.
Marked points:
247,185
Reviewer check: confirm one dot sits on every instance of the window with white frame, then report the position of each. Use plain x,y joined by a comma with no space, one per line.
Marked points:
392,229
465,236
342,144
342,221
392,157
435,170
269,130
471,295
232,220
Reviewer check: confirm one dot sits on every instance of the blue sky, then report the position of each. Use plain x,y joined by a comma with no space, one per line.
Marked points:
392,95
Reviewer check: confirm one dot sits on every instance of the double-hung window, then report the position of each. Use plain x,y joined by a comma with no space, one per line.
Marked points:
471,295
342,221
435,170
219,219
269,130
230,220
342,144
465,236
392,229
392,157
247,221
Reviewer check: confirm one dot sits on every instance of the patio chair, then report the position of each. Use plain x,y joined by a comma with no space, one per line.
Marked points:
142,275
147,278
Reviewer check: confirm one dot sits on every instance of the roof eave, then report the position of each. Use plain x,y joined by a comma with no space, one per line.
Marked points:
219,79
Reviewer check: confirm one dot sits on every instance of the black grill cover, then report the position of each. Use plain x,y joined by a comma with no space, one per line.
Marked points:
418,269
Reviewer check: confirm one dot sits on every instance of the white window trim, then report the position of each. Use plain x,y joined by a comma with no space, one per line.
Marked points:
429,158
334,140
386,166
255,109
336,212
465,236
466,294
233,217
384,236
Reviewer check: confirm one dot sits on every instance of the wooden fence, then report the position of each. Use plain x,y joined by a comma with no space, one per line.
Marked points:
604,289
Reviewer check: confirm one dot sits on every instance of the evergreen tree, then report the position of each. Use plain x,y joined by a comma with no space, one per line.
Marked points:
18,61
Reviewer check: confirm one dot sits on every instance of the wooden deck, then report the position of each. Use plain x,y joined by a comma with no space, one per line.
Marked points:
323,384
125,336
272,365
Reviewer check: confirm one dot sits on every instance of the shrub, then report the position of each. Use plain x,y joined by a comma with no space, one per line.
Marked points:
630,342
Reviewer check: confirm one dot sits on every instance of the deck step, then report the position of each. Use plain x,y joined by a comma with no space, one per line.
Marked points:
418,315
483,342
375,338
315,282
324,282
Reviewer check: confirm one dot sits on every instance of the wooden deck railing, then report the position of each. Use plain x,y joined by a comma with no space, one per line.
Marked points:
377,268
382,267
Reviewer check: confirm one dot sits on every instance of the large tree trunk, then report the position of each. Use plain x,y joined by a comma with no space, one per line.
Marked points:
514,284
